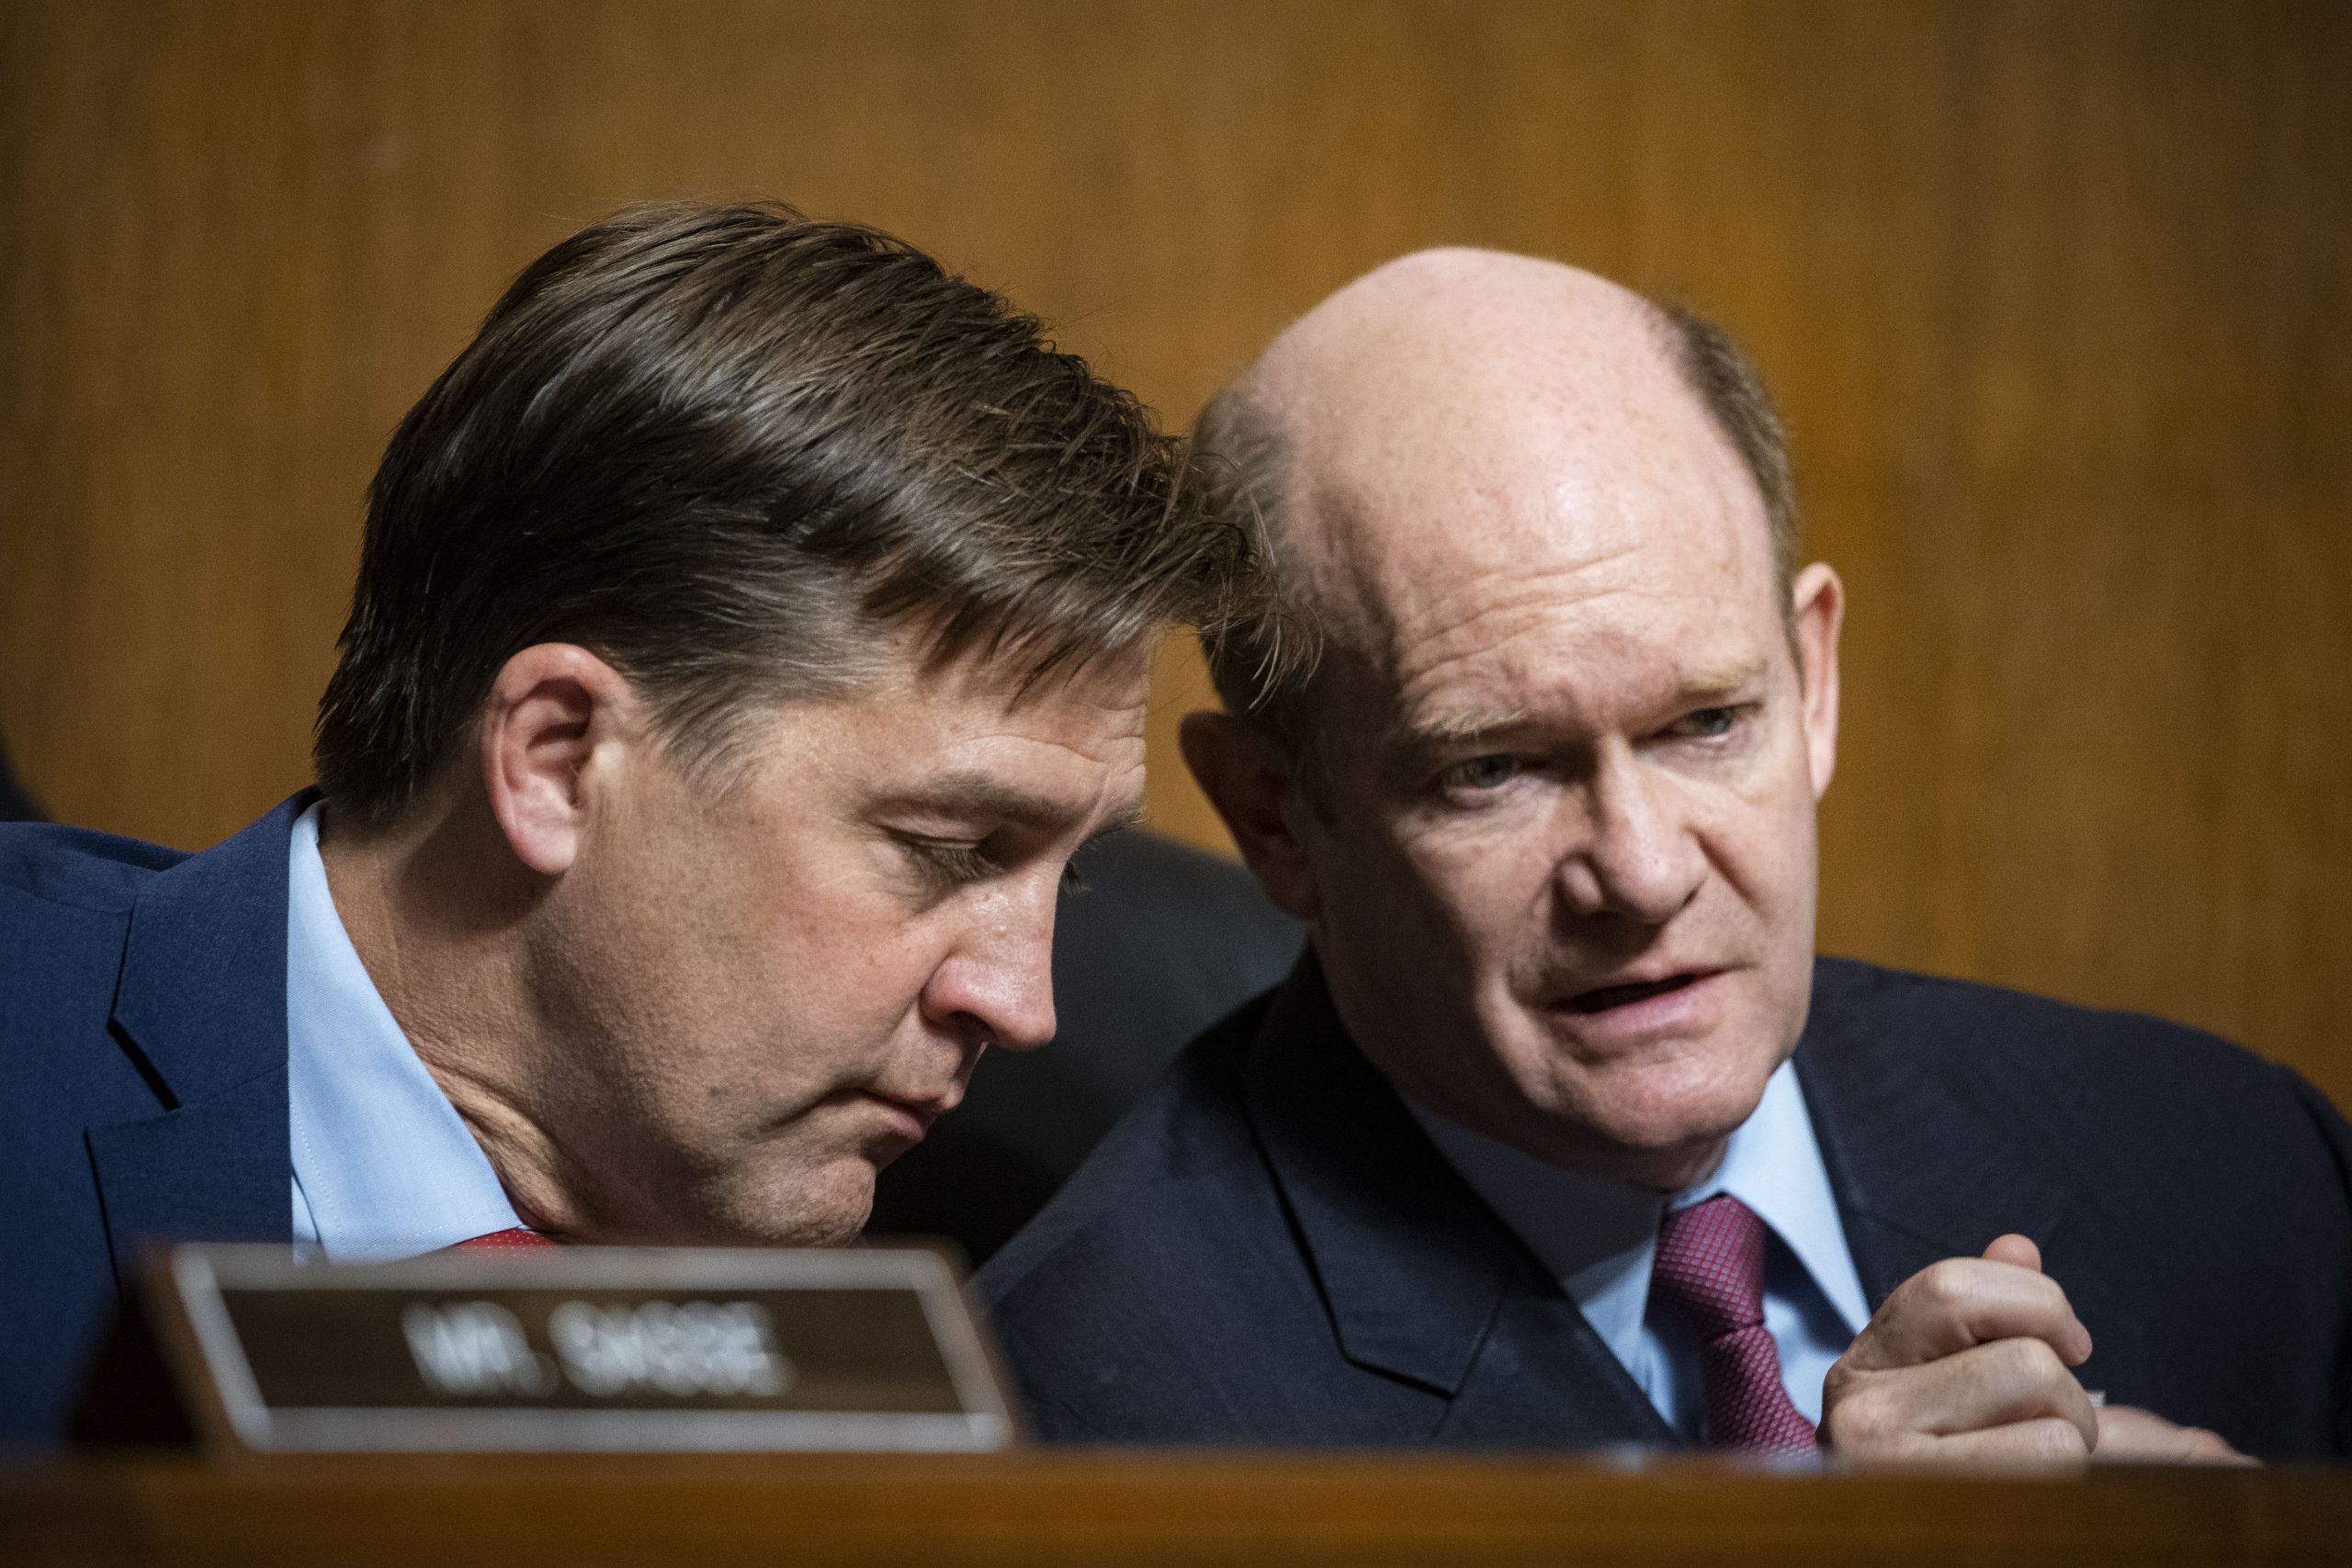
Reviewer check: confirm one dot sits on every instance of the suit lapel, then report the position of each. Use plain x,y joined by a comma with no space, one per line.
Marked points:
1422,1281
1931,1155
201,1007
1542,1376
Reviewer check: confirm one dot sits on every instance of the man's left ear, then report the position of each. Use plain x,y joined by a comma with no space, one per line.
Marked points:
554,714
1818,602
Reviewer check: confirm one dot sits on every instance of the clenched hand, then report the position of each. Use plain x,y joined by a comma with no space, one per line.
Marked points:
1969,1361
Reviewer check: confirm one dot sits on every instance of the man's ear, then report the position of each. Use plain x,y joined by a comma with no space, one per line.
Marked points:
1255,789
550,711
1818,603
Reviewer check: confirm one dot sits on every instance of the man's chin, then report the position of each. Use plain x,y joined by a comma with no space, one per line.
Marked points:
1662,1120
801,1205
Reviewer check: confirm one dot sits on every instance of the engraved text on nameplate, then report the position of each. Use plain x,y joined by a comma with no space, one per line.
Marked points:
592,1350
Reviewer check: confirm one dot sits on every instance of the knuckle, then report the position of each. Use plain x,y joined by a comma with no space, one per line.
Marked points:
2028,1362
1847,1424
1944,1284
1866,1419
1837,1431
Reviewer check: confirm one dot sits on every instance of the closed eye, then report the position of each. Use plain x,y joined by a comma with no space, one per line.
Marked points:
951,862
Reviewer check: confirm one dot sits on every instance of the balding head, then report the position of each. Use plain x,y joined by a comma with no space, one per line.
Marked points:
1448,374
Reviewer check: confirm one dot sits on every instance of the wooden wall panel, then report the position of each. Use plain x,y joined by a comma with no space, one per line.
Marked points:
2055,297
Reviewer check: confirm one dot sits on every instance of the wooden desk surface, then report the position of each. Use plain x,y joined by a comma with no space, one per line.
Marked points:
1037,1509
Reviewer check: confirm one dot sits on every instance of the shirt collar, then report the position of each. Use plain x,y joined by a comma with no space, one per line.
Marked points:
1598,1235
1773,1165
382,1158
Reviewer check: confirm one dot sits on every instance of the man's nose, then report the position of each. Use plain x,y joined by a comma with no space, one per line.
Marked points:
996,986
1638,860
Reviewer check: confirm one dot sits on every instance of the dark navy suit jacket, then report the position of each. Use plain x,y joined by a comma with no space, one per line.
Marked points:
1268,1249
142,1039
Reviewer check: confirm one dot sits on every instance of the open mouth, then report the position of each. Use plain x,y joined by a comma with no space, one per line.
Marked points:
1601,998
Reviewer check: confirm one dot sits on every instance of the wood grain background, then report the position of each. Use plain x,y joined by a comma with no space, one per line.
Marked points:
2056,297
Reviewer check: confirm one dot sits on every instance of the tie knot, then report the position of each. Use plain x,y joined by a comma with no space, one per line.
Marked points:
1709,1268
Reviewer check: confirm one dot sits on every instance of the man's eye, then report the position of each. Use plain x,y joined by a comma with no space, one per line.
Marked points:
1483,772
1707,724
953,863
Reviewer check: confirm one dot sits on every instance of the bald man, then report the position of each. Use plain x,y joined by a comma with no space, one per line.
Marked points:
1560,1134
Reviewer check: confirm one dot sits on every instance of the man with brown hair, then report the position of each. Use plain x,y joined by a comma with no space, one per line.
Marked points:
751,624
1561,1135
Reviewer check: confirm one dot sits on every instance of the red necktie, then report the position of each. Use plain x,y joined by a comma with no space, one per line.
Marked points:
516,1238
1709,1275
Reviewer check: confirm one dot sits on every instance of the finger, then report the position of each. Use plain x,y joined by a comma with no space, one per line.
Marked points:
2005,1384
1949,1307
2016,1250
2131,1436
2028,1445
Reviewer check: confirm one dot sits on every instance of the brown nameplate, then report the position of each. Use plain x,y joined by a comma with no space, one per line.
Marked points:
578,1348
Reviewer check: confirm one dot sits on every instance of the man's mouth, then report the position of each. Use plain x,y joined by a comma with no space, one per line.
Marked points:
1603,999
923,1111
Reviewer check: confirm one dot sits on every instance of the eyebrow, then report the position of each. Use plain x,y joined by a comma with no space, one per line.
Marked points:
1724,680
978,794
1465,726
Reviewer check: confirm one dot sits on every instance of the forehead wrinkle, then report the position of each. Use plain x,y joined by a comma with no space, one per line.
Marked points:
974,793
1539,612
1446,618
1368,561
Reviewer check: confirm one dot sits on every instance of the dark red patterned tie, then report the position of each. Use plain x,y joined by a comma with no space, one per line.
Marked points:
516,1238
1710,1276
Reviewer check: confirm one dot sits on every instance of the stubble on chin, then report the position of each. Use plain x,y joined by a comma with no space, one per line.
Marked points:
801,1198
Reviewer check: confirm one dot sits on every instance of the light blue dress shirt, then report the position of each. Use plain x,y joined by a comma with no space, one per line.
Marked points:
1598,1236
383,1166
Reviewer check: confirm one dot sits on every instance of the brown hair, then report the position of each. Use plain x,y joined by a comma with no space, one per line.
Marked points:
1256,659
723,446
1732,392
